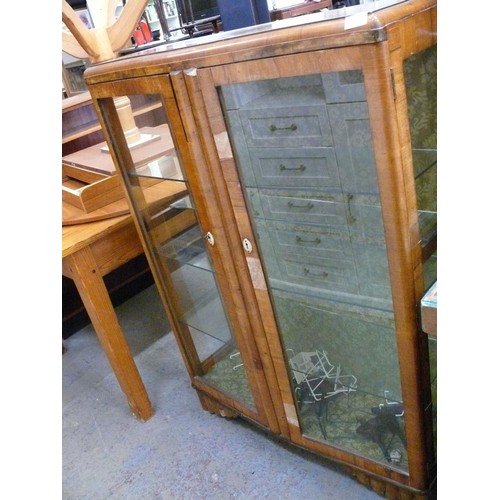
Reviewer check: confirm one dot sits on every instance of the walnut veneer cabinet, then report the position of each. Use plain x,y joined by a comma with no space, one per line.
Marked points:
308,149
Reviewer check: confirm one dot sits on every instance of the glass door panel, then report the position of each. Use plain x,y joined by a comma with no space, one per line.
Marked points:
303,151
160,191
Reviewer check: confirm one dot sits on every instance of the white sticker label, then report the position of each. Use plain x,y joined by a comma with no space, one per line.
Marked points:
256,273
359,19
291,416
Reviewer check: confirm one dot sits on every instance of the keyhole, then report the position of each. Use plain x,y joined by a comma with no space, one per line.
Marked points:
247,245
210,238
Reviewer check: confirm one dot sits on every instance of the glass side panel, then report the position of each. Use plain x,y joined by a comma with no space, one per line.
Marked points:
305,161
161,194
420,71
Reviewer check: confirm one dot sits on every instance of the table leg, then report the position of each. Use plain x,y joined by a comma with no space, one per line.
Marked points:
82,268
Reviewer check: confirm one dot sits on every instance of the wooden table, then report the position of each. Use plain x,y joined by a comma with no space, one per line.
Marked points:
89,252
98,242
93,249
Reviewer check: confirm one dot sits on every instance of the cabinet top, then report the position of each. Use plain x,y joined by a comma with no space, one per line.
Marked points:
357,25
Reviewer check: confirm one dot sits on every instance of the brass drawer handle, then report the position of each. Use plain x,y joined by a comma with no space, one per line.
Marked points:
316,241
350,218
273,128
283,167
307,272
291,204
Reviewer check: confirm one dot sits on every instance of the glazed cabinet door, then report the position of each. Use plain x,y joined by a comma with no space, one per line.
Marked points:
301,142
158,154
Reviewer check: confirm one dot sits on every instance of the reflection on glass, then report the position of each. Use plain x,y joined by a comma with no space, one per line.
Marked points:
305,160
161,194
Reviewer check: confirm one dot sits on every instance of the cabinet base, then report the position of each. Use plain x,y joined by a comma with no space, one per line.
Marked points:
212,406
390,490
384,488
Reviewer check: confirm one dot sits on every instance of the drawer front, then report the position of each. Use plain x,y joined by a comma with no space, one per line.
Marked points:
336,261
293,168
298,207
295,258
287,127
319,273
306,241
358,213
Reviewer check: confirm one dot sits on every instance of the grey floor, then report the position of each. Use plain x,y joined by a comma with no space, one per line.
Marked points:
182,452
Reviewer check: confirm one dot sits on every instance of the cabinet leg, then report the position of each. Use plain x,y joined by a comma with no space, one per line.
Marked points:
212,406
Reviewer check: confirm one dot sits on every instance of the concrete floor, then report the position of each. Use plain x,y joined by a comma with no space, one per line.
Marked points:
182,452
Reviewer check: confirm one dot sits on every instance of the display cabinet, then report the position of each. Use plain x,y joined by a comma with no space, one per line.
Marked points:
308,151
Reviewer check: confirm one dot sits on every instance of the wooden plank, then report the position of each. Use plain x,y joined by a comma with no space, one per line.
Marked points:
72,215
92,196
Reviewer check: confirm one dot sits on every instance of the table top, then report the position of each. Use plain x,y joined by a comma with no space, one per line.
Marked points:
78,236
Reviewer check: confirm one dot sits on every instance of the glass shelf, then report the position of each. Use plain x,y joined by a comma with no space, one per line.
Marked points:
162,210
424,160
187,248
166,167
208,318
428,226
206,345
183,203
